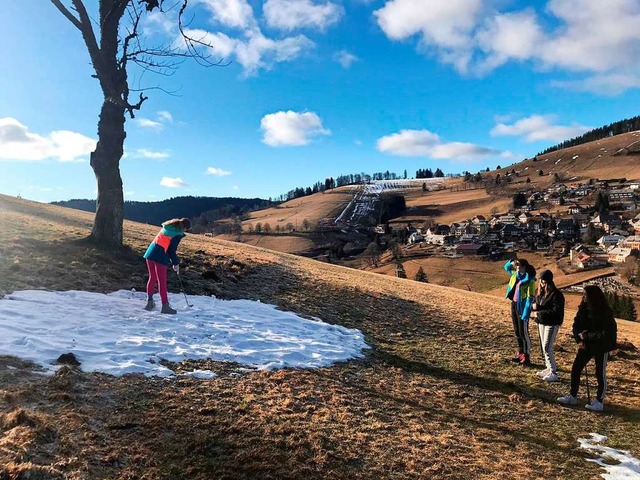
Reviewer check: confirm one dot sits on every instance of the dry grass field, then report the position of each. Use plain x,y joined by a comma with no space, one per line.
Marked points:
311,208
596,159
295,244
435,396
447,206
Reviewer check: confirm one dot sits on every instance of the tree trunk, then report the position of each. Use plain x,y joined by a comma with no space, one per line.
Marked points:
105,161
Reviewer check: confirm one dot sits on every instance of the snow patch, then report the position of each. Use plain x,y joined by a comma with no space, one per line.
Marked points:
618,464
113,334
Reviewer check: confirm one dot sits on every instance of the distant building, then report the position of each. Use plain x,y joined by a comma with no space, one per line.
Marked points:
619,254
471,249
607,241
606,221
586,261
632,242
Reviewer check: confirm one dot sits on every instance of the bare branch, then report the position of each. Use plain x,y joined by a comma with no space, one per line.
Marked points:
58,4
88,35
137,106
193,43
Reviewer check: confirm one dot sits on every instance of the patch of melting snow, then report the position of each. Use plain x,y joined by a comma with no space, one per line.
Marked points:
618,464
558,161
574,157
113,333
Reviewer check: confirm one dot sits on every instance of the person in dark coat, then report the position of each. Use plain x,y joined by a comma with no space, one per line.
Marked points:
595,331
549,314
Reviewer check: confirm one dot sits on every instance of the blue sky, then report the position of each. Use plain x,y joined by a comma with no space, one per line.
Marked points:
317,89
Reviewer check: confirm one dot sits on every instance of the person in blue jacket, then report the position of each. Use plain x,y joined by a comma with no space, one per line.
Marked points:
162,253
521,291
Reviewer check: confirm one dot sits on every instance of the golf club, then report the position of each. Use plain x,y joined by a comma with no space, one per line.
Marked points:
182,290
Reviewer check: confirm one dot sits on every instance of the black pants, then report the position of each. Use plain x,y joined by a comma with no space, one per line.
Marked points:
521,331
582,358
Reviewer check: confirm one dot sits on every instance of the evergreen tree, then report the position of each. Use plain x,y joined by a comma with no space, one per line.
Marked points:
528,180
602,202
540,173
439,173
421,276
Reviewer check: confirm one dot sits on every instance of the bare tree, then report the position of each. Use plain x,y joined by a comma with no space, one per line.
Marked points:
115,44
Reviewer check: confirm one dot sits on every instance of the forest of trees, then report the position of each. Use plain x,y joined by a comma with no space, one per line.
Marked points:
155,213
622,306
616,128
339,181
427,173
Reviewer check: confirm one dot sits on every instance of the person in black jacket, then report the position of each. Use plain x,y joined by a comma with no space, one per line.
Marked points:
549,309
595,331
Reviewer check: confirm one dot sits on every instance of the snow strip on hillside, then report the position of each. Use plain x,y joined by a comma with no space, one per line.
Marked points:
618,464
113,333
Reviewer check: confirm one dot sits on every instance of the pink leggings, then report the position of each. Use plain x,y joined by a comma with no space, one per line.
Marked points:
157,273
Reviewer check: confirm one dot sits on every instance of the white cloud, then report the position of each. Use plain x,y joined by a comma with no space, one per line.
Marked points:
253,50
507,37
581,36
163,117
176,182
446,25
345,58
17,143
423,143
236,187
539,127
607,84
145,153
146,123
291,128
218,172
230,13
293,14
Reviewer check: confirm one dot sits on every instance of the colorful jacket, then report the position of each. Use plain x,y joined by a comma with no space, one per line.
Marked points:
164,247
600,332
524,288
550,308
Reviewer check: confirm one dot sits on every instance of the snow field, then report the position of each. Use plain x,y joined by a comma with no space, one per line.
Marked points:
113,334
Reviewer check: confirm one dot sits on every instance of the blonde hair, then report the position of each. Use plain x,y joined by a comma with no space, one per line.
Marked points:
183,224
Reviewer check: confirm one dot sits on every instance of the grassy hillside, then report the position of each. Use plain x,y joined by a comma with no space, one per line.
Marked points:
434,398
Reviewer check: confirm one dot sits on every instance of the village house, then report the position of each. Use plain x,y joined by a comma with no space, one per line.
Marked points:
607,241
606,221
471,249
619,254
415,237
508,219
524,217
586,261
632,242
636,225
616,196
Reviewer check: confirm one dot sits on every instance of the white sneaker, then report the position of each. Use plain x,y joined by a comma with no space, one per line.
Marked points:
567,400
543,373
551,377
595,406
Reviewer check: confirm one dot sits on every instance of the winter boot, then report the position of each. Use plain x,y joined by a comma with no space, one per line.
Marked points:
150,305
166,308
595,406
525,361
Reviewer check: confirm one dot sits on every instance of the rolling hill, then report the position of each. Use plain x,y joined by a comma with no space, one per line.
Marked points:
434,398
